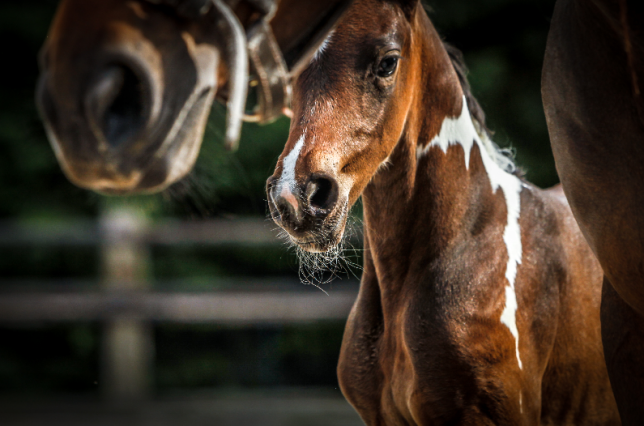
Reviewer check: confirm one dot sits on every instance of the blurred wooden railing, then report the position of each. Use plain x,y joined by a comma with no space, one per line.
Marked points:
126,303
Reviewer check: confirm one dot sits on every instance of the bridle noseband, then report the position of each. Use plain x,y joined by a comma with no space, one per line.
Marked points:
256,45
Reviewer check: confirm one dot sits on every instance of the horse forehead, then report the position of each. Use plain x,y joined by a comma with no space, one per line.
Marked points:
364,14
367,24
347,49
329,83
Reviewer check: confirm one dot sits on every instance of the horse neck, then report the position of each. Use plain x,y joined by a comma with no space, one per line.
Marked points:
435,187
418,203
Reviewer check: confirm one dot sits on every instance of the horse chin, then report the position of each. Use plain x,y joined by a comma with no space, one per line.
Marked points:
106,177
323,240
319,245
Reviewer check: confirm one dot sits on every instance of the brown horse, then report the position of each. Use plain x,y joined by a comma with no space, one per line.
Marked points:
593,87
479,301
127,85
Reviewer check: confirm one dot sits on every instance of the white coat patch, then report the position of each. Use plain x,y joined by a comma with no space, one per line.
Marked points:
461,131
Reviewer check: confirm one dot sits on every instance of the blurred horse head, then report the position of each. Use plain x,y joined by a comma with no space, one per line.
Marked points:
126,86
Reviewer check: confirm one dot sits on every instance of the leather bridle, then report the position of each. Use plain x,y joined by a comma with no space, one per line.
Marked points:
267,64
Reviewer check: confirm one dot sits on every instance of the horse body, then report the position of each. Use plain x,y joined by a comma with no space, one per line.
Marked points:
479,301
592,93
428,317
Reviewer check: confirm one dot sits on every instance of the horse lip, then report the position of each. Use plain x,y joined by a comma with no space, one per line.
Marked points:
302,237
311,245
316,245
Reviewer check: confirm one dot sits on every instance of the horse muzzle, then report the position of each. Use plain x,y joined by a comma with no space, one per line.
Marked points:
121,127
312,214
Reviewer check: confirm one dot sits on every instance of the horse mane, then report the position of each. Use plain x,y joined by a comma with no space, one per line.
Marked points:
504,158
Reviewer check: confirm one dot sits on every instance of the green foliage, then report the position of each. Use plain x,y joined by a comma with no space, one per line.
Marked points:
208,356
195,262
33,262
58,358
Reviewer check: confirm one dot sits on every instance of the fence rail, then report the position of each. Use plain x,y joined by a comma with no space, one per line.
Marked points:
128,305
92,233
245,231
232,308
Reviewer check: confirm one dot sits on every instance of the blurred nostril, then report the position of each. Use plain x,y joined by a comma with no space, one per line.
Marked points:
115,104
321,193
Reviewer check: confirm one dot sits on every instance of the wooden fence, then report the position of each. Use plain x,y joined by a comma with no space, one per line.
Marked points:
127,304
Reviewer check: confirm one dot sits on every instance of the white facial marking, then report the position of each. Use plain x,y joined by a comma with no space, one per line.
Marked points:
322,48
287,180
290,198
461,131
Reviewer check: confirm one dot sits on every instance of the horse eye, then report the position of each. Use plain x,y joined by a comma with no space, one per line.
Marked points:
387,66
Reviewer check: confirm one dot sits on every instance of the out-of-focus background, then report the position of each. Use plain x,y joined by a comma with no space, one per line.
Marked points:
184,308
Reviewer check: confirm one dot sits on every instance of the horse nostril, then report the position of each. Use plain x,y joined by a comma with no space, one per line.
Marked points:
279,207
321,193
115,104
269,184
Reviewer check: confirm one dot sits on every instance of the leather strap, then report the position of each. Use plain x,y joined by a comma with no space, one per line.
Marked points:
266,61
269,68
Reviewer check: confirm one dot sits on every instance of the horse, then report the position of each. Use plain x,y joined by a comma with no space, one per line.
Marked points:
127,85
479,300
592,80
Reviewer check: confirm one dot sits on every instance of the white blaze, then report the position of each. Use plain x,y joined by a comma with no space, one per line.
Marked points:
287,180
461,131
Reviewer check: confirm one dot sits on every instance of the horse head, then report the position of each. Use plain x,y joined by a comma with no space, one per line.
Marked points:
127,87
352,106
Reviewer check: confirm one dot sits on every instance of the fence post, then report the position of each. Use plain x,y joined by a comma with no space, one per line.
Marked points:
128,345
